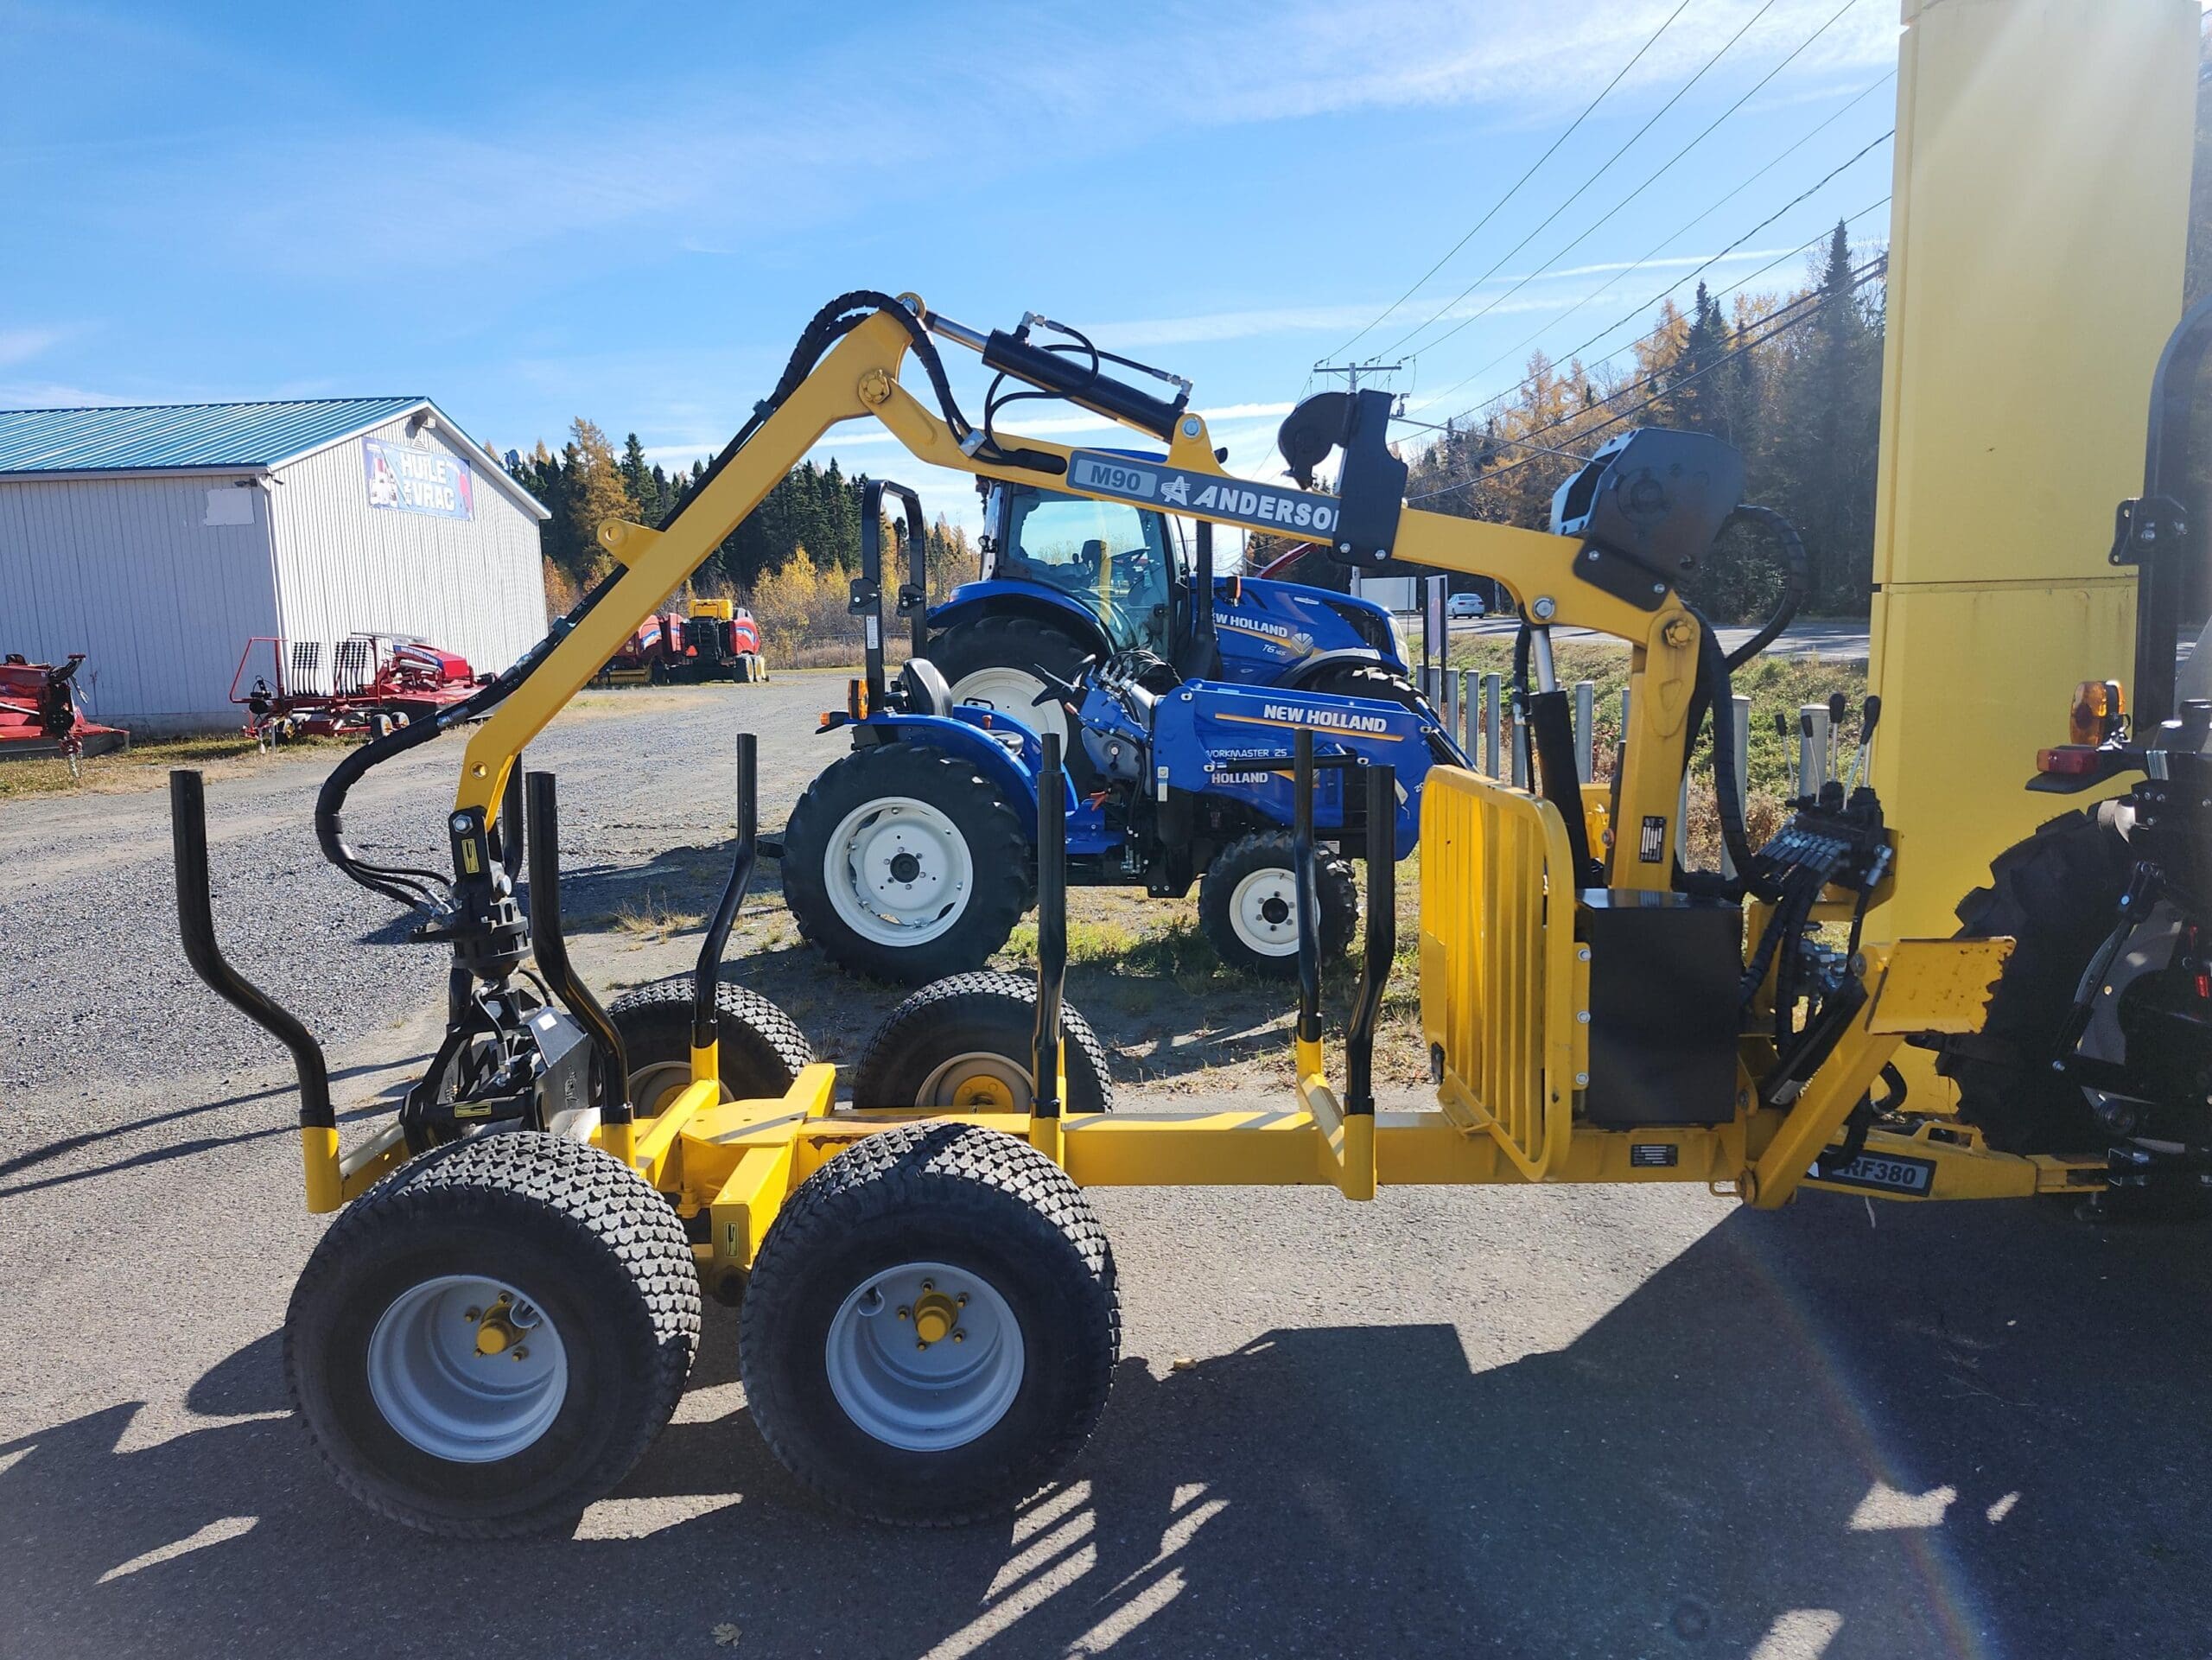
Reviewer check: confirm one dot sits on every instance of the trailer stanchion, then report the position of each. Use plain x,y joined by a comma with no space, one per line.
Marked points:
1585,728
1308,1050
1493,722
551,947
706,1056
1382,939
1050,1090
195,917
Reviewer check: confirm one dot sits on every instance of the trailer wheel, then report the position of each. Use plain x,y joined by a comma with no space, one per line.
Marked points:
905,863
1248,904
2057,894
931,1326
992,661
486,1340
965,1043
759,1047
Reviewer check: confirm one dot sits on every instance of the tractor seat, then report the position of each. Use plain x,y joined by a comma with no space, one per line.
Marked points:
924,689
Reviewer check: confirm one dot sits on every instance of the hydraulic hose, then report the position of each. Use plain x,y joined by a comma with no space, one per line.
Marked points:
1790,547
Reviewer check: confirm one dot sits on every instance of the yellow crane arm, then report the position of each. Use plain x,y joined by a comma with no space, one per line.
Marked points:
858,377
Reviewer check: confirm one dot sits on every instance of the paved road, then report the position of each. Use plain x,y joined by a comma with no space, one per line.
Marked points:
1555,1422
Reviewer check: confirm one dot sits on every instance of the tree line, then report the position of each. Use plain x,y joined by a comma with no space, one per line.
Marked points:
812,512
1793,381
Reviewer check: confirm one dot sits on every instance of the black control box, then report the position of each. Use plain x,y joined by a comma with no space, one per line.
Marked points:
1664,969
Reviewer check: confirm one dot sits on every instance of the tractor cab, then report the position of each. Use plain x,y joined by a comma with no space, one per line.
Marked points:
1122,565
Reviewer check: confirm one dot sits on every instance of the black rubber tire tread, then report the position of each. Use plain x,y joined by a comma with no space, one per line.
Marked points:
1261,850
983,1012
762,1048
1360,680
1006,642
612,1269
996,847
942,1192
2057,894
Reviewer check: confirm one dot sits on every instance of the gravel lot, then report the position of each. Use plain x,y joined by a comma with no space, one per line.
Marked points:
1567,1421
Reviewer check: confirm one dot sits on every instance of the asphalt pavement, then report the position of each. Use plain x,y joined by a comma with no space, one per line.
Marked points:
1564,1422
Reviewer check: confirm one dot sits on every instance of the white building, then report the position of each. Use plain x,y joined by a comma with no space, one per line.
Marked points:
160,541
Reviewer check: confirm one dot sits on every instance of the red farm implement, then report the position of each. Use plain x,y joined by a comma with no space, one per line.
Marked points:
361,686
40,715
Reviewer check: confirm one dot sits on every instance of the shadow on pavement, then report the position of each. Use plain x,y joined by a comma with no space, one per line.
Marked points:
1961,1431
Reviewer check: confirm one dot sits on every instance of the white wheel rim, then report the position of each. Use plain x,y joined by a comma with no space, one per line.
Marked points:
1264,910
979,1081
448,1392
651,1088
899,872
1010,692
924,1357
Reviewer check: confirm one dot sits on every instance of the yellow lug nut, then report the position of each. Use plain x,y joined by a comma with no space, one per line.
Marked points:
935,1316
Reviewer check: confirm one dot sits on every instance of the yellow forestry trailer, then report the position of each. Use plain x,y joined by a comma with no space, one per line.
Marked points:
505,1308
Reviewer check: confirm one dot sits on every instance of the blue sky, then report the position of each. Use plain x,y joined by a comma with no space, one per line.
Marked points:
629,211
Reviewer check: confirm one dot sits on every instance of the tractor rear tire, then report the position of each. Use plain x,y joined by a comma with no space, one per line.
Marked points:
906,864
992,661
931,1326
2057,894
430,1414
1377,685
759,1047
1248,904
965,1044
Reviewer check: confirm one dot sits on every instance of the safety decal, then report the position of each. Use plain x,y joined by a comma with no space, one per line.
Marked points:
1651,846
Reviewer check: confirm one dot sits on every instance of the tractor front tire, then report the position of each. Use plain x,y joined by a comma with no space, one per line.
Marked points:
488,1340
906,864
2057,894
1248,904
931,1325
760,1048
964,1045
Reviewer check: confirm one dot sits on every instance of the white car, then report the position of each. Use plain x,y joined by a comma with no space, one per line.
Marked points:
1464,605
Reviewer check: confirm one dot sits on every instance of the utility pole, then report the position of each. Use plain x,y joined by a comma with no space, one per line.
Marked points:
1352,371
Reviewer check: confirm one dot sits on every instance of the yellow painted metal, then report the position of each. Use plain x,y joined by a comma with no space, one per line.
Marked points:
705,1064
2043,153
1307,1059
1499,980
725,610
1963,1168
318,1159
619,1140
1935,985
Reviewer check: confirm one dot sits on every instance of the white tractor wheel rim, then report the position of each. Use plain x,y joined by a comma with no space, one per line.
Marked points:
899,872
448,1391
924,1357
1010,692
1263,911
978,1081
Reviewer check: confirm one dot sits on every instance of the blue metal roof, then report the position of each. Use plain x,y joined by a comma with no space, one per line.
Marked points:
184,434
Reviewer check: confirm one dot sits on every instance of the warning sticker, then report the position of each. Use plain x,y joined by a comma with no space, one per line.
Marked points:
1651,845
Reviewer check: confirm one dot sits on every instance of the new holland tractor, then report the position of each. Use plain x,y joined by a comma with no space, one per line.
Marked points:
912,856
503,1313
1070,579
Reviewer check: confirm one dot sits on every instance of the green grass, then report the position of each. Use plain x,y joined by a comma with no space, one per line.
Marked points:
139,767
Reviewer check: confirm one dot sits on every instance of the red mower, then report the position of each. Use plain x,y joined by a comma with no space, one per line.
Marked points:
39,714
370,684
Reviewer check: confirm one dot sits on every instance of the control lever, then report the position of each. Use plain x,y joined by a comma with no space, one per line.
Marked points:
1837,705
1863,761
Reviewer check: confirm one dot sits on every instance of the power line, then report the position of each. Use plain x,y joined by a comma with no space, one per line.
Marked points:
1873,269
1651,178
1681,93
1681,230
1654,333
1587,110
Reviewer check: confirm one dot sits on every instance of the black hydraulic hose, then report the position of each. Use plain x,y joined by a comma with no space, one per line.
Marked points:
1714,688
1790,548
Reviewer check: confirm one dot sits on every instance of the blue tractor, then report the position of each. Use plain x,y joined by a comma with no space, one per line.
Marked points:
1067,579
913,857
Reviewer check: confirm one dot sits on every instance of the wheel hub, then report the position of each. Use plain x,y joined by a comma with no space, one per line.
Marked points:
924,1357
1263,910
899,872
904,867
466,1369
